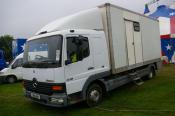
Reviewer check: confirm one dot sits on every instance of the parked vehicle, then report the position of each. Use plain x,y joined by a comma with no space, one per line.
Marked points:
18,46
85,55
14,71
2,60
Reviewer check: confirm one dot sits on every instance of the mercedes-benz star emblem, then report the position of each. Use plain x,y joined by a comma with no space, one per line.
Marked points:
35,83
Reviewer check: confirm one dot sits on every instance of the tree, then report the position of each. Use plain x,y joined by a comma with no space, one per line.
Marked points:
6,46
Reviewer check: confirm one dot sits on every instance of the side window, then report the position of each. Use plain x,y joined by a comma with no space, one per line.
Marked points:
15,64
20,62
136,26
77,48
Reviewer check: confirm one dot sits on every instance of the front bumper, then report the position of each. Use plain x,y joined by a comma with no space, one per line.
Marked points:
48,100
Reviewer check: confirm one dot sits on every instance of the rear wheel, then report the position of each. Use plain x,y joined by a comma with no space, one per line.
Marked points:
11,79
94,95
152,73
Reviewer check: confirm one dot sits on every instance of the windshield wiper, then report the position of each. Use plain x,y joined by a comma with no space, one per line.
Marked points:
28,64
49,61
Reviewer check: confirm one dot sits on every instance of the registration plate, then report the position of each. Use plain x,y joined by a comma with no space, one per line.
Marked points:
34,95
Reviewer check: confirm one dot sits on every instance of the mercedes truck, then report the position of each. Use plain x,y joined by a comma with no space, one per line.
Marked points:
83,56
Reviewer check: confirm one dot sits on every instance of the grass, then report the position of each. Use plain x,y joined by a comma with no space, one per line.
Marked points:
154,97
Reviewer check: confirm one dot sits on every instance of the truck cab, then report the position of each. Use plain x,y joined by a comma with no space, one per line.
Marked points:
13,72
57,64
2,60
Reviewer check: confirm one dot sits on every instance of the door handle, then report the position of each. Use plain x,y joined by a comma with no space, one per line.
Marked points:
90,68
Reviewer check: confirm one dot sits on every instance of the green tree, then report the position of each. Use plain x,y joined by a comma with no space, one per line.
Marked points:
6,46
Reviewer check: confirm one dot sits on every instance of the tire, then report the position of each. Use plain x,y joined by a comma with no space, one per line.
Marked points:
151,74
94,95
11,79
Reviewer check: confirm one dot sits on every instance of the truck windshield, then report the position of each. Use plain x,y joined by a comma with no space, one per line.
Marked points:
43,52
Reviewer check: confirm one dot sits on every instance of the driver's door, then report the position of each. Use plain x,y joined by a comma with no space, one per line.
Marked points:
80,59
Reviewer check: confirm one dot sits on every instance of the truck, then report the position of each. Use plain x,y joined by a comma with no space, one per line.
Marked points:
13,72
2,60
18,46
83,56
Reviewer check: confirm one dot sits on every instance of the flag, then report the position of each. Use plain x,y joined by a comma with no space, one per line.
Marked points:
168,48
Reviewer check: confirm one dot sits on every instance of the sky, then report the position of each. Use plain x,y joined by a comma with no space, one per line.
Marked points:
23,18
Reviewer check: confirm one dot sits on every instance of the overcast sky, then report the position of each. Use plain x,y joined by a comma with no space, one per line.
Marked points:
23,18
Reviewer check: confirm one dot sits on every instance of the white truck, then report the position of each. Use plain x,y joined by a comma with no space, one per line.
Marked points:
13,72
83,56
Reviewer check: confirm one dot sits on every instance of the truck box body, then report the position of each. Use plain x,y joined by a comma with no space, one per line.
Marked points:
18,46
133,38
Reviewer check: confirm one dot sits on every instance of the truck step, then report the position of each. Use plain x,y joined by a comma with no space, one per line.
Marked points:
133,74
138,81
137,78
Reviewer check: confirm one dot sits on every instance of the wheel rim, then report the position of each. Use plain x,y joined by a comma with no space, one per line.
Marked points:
151,75
94,95
11,80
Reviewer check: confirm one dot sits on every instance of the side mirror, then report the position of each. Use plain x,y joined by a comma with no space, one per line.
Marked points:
67,62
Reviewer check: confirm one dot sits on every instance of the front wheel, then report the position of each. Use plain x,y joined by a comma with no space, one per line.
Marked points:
11,79
94,95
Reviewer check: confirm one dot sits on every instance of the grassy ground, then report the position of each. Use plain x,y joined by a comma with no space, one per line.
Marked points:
154,97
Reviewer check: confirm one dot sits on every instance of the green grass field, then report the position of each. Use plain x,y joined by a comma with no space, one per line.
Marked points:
154,97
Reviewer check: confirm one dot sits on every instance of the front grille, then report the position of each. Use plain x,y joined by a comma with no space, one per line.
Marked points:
42,88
